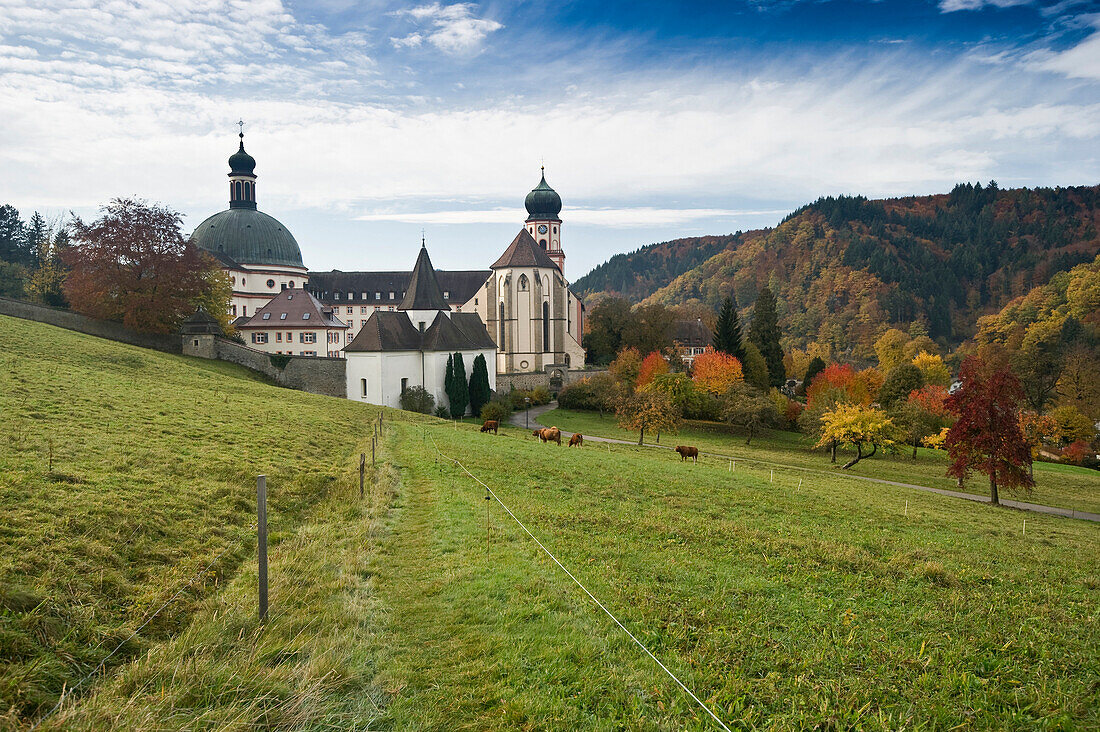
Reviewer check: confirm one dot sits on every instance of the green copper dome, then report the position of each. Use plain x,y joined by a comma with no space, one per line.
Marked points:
248,237
543,202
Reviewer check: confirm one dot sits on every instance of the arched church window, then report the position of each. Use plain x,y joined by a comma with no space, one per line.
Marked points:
542,243
546,325
523,283
500,345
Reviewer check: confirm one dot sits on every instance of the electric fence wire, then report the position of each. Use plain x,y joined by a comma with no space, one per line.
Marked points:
141,627
581,585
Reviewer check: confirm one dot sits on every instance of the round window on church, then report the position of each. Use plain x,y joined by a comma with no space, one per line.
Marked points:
271,284
523,364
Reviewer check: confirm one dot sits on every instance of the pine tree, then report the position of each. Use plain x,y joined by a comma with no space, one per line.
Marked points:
764,333
449,382
479,385
461,397
727,333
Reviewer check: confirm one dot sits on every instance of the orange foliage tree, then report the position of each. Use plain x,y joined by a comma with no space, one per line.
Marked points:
715,372
133,265
653,366
626,367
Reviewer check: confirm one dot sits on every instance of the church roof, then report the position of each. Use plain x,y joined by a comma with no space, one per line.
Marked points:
294,308
393,331
424,292
524,252
459,286
543,202
248,236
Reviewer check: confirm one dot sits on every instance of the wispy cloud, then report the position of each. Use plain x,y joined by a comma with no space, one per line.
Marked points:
634,217
951,6
455,29
1081,61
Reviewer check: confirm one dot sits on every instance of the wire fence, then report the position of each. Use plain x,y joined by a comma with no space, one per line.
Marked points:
580,584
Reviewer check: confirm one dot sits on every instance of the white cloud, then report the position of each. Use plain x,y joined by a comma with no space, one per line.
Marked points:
455,29
951,6
613,217
1080,62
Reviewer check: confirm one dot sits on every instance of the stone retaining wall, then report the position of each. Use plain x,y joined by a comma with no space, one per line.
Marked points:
314,374
83,324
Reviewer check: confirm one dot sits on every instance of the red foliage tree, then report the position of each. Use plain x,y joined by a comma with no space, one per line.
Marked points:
133,265
652,365
833,377
987,435
931,398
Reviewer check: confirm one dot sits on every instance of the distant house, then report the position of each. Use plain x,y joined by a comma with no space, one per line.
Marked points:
398,349
294,322
692,338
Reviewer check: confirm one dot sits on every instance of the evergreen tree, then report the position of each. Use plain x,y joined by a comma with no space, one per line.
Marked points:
479,385
764,333
37,240
727,332
449,381
461,397
12,236
817,365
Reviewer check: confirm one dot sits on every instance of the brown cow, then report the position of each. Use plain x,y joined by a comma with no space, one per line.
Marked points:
576,440
548,434
687,451
490,425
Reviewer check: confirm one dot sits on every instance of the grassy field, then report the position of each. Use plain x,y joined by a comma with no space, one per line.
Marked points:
123,472
1066,486
827,604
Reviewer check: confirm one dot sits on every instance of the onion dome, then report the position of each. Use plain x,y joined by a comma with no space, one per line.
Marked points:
543,202
240,162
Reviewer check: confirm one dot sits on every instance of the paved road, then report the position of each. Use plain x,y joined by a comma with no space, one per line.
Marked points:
518,419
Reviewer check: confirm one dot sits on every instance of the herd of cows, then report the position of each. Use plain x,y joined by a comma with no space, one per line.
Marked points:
553,434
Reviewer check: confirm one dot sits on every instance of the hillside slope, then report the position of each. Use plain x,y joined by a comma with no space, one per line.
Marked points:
846,268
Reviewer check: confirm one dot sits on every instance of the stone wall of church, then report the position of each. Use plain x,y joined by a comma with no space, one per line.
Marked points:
316,375
82,324
528,381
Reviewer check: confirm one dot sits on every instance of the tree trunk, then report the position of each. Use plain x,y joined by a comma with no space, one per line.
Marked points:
641,435
914,451
658,438
747,441
993,497
832,450
857,458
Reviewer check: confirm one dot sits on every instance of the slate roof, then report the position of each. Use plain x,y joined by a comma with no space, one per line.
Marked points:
201,322
294,308
424,292
524,252
691,334
393,331
458,286
249,237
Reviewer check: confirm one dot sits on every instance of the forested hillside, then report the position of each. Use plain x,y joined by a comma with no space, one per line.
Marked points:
846,268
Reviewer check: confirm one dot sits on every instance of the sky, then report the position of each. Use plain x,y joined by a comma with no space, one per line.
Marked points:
372,122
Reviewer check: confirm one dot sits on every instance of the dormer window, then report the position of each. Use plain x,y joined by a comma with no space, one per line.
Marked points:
446,294
282,316
305,316
378,296
290,297
351,295
267,316
391,295
336,296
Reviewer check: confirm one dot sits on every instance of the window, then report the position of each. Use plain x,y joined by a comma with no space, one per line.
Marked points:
351,295
289,337
404,385
244,310
309,353
391,308
279,337
363,308
500,345
283,286
363,296
545,325
234,310
542,243
271,284
475,301
259,337
391,295
292,284
242,279
523,283
363,386
305,316
336,296
290,297
307,337
362,324
446,294
378,296
282,316
421,326
350,310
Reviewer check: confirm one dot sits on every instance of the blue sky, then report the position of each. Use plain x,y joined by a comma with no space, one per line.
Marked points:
373,120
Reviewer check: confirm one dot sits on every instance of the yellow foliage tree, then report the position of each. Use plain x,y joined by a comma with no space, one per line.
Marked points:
936,442
715,372
856,425
890,349
932,368
651,410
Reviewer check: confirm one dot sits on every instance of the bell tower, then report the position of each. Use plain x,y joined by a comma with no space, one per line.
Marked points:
242,179
543,206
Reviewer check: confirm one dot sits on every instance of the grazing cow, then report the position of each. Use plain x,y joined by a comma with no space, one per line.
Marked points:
490,425
687,451
538,433
548,434
576,440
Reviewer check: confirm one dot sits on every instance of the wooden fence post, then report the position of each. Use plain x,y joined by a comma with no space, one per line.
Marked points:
261,522
362,471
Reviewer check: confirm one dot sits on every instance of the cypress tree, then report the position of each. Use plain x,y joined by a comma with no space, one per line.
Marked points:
817,365
449,382
764,333
479,385
461,398
727,333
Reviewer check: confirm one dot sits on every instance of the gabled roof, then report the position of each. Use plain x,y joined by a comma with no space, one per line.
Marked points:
424,292
294,308
201,322
459,286
691,333
393,331
524,252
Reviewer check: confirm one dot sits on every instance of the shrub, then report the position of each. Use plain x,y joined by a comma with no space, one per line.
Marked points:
497,409
540,395
442,412
417,399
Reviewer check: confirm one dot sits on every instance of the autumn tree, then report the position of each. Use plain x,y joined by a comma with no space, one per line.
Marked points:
133,265
1072,425
652,365
626,367
650,410
727,331
1038,429
932,368
715,372
890,349
858,426
987,435
648,328
903,379
746,407
604,325
764,333
915,423
678,387
755,367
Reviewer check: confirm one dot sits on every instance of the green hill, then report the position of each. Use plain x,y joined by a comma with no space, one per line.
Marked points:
844,268
784,603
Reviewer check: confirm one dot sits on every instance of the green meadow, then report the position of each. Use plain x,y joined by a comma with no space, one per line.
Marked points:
1065,486
834,604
